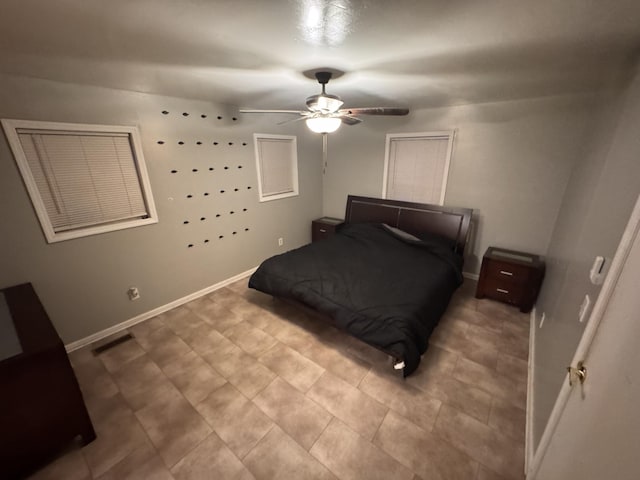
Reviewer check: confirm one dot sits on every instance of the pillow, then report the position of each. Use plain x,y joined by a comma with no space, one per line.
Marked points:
426,238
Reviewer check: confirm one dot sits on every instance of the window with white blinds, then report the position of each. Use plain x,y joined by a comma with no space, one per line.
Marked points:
82,179
417,166
277,166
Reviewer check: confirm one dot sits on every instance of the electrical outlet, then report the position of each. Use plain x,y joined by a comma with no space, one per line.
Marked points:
280,241
133,293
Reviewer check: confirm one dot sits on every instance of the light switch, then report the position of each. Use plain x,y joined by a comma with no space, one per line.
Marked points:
596,275
584,308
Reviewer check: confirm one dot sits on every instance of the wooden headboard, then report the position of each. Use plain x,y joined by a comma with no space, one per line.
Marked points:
413,218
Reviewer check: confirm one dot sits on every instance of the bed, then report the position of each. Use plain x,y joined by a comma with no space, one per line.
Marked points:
385,277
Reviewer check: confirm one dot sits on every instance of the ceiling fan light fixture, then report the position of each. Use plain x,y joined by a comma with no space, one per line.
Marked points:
323,124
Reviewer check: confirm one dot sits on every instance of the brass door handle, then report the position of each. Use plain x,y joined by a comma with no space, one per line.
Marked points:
580,373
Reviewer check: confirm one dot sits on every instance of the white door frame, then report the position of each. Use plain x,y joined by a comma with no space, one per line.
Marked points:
622,253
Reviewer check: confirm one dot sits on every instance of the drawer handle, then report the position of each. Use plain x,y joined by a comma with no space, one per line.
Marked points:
322,230
502,290
504,272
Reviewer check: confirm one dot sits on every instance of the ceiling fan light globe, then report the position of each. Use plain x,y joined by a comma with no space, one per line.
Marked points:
323,124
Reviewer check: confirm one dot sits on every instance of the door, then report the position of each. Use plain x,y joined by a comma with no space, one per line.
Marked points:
594,430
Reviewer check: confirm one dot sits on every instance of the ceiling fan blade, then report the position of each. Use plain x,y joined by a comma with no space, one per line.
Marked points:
374,111
349,120
292,120
250,110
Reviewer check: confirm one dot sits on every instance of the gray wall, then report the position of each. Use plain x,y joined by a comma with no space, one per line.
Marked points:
511,162
598,201
83,282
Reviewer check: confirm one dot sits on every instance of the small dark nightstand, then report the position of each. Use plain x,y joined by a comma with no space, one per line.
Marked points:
510,277
324,227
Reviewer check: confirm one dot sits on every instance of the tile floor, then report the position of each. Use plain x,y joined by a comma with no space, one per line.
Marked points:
236,385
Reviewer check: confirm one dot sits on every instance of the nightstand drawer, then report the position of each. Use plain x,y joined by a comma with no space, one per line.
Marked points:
504,290
507,272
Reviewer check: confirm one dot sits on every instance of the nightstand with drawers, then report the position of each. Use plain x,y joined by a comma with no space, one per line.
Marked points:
324,227
511,277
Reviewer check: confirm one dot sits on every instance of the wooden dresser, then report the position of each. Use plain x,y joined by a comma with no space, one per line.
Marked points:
41,406
511,277
324,227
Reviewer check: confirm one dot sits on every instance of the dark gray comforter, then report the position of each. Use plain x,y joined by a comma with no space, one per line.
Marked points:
384,287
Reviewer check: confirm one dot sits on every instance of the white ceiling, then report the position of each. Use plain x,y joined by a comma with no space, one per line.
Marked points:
251,53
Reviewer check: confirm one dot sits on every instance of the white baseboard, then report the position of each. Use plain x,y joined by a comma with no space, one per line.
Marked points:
471,276
70,347
528,438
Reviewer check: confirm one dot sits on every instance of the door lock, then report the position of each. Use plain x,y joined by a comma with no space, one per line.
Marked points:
579,373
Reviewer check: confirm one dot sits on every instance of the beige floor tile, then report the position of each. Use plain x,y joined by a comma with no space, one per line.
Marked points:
218,316
423,452
143,462
490,323
351,457
514,343
350,369
513,367
508,419
266,321
486,474
408,401
295,336
251,339
180,319
70,466
278,456
173,348
302,419
251,377
94,380
469,399
142,383
236,420
202,338
492,307
118,356
491,382
193,377
355,408
198,303
295,368
211,459
225,297
227,358
482,443
462,338
114,442
174,427
104,411
435,363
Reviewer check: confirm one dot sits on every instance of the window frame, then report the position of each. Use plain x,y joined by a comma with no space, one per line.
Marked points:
450,134
294,166
11,128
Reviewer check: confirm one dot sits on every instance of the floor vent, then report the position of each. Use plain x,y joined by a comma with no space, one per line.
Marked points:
112,343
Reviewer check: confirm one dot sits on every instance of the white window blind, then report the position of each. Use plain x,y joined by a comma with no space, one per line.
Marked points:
416,167
82,181
277,166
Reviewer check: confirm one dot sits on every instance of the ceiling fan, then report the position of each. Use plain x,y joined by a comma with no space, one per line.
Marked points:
324,114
